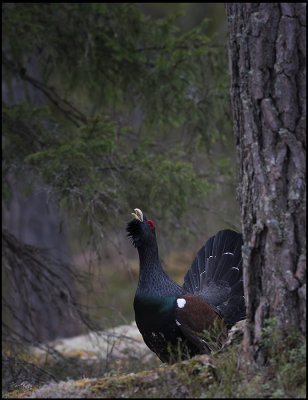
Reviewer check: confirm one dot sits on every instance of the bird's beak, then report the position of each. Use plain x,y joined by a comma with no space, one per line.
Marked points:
138,214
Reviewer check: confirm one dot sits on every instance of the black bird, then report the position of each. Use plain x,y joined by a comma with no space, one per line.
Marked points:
178,322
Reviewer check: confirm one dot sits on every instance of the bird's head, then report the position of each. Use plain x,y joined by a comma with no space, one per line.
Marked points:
141,230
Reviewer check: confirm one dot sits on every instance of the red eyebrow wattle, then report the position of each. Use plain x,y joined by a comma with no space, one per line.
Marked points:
151,223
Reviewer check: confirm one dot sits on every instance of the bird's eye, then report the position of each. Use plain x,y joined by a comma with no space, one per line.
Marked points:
150,223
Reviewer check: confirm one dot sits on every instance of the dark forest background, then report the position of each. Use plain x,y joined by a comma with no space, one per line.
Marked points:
107,107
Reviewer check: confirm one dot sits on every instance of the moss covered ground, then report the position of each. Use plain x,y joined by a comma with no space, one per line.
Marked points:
223,374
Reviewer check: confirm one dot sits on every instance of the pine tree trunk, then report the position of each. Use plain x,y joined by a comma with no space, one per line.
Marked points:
267,57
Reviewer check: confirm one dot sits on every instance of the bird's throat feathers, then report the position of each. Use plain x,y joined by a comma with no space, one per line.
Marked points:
148,255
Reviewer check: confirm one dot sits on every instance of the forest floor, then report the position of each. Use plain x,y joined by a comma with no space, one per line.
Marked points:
116,363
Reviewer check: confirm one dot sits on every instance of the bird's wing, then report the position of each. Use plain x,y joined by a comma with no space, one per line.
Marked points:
199,323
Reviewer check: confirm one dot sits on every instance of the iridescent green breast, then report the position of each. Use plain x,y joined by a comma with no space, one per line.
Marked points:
155,318
154,312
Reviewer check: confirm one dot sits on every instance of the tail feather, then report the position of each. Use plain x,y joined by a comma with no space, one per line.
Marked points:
202,268
233,275
216,275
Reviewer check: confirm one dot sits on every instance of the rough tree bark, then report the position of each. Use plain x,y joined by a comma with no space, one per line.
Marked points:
267,62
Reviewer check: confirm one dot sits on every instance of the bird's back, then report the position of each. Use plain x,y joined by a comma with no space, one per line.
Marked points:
216,275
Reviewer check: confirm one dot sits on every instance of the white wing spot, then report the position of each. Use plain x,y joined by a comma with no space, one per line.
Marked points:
235,268
229,253
181,303
162,335
177,322
153,334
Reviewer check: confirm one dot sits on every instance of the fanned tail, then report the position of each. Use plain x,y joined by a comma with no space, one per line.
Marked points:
216,275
